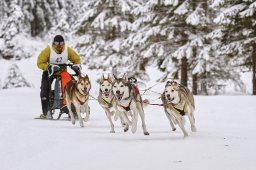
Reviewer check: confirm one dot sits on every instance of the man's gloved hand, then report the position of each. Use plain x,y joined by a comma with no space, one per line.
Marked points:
53,69
77,69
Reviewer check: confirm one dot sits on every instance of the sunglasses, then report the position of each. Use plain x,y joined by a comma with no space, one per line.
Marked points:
58,43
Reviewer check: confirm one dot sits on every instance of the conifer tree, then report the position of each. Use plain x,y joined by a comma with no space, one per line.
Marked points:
15,78
101,31
238,20
12,26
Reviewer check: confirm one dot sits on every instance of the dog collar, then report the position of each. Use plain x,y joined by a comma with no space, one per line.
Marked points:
84,100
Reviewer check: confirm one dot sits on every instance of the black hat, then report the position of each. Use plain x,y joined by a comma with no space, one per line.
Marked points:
58,38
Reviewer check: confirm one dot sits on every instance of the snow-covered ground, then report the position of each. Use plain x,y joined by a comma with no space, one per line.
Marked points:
225,139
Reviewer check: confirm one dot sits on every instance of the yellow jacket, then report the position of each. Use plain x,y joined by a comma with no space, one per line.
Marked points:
44,57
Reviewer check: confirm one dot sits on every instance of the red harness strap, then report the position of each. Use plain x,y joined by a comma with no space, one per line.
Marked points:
136,89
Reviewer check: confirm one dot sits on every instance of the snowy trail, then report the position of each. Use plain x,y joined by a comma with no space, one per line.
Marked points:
225,139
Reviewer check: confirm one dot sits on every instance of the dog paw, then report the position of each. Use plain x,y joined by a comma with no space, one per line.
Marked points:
146,133
185,135
86,119
193,128
82,125
126,129
134,128
73,122
112,131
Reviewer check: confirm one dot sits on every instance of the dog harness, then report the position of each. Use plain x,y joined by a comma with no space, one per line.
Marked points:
179,111
71,85
127,108
135,94
135,91
81,101
111,103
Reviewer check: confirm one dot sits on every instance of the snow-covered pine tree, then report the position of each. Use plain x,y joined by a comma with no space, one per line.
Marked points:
68,17
238,42
21,19
191,21
12,25
2,9
170,31
42,15
148,42
15,78
101,31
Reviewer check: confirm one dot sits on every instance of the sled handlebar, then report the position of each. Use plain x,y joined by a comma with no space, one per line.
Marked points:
64,65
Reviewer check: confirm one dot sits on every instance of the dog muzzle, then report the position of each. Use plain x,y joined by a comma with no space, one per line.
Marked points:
169,98
119,96
106,93
85,90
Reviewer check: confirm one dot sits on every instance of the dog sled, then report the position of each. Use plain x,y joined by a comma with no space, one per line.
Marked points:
56,97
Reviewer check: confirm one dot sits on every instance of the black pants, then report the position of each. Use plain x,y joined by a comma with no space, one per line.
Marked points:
45,92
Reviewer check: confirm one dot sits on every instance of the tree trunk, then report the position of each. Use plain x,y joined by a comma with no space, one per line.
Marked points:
194,84
204,85
194,76
254,70
184,72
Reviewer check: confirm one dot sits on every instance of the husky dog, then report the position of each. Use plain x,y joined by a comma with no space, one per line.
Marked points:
77,92
129,100
107,100
178,101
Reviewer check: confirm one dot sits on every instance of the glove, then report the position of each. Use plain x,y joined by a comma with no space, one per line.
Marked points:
52,69
77,69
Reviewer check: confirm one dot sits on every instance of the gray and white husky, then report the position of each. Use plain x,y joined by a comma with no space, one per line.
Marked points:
107,100
129,101
178,102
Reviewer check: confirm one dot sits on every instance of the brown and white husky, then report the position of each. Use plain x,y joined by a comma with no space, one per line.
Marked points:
77,92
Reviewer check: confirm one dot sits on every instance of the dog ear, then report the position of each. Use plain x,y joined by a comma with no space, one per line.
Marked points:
109,78
114,76
102,78
125,78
